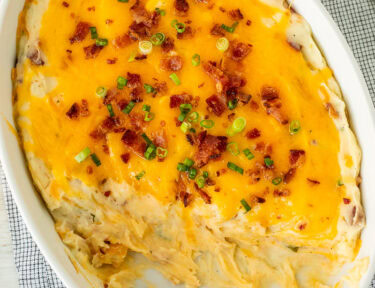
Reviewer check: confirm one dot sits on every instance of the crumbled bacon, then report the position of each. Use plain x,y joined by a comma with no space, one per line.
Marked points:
108,21
216,74
296,157
235,14
171,63
168,45
182,193
125,157
143,21
252,134
254,105
244,98
160,138
190,139
216,104
281,192
134,141
187,34
92,51
134,80
82,30
289,175
161,87
35,56
248,22
346,201
139,13
111,61
89,170
110,96
137,120
103,128
239,50
312,181
122,41
73,111
138,31
209,147
140,57
182,7
263,148
65,4
177,100
216,30
107,193
271,101
206,198
84,109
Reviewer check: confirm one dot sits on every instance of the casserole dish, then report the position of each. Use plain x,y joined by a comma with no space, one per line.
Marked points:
346,90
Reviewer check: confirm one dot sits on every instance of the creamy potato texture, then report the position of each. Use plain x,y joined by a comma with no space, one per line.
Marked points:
286,214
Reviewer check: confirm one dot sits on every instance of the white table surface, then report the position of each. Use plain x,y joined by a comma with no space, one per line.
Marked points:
8,272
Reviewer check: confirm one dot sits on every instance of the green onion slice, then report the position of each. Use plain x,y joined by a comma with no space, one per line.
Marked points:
294,127
150,152
232,147
146,108
101,42
145,47
81,156
157,39
110,110
161,152
188,162
132,57
268,161
101,92
95,159
340,183
182,167
129,107
121,82
123,1
140,175
201,181
238,126
94,33
193,173
245,205
147,140
232,104
234,167
149,88
161,12
185,126
193,117
175,79
230,29
207,123
248,154
149,116
186,107
222,44
180,27
205,174
196,60
276,181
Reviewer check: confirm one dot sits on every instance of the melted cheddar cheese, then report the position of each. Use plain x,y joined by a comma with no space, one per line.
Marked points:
312,216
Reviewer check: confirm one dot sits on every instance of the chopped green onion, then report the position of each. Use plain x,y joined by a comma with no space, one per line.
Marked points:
175,79
192,130
94,33
294,127
293,248
110,110
232,147
182,116
95,159
101,42
185,126
188,162
81,156
238,126
207,123
205,174
276,181
232,104
174,22
193,117
245,205
229,29
161,12
121,82
147,140
146,108
268,161
129,107
222,44
161,152
140,175
201,181
186,107
340,183
149,116
157,39
145,47
132,57
149,88
193,173
234,167
101,92
182,167
180,27
123,1
248,154
150,152
196,60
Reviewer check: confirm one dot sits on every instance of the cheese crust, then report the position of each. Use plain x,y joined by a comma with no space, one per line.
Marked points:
292,218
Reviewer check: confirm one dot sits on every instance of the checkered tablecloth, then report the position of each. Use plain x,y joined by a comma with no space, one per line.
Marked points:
356,19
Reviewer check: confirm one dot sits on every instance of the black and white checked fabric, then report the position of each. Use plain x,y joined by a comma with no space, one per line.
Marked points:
356,19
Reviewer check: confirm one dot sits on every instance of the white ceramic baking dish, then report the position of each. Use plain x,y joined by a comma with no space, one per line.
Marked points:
35,214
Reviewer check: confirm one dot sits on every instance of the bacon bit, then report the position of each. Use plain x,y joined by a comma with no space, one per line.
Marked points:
187,34
108,21
177,100
231,116
206,198
252,134
210,182
244,98
91,8
111,61
34,55
281,192
216,74
103,128
254,105
216,30
296,157
346,201
235,14
138,31
122,41
137,120
162,123
190,139
201,85
139,13
260,200
82,30
119,130
289,175
160,138
84,111
134,80
312,181
209,147
248,22
105,149
134,141
239,50
222,9
296,46
271,101
217,189
263,148
171,63
73,112
143,21
140,57
302,226
161,87
89,170
92,51
182,7
107,193
65,4
332,111
181,192
188,22
111,95
216,104
125,157
69,51
168,45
